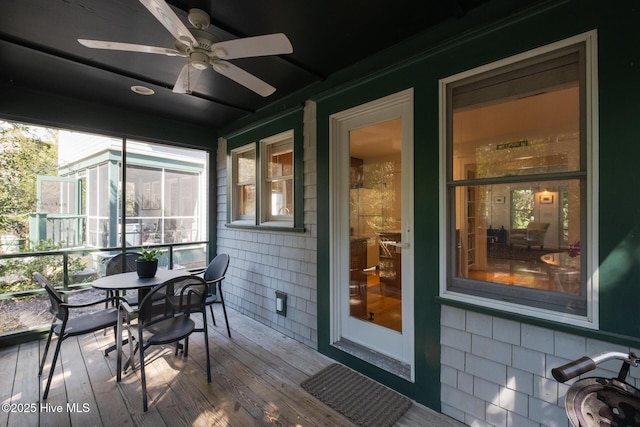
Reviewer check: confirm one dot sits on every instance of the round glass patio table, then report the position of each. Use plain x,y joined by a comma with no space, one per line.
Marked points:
561,259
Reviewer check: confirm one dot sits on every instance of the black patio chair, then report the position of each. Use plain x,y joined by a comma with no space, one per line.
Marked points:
122,263
64,325
164,318
214,275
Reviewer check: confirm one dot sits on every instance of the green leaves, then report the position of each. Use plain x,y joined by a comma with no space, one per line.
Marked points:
150,254
25,153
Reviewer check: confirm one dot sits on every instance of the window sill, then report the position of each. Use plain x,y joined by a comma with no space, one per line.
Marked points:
543,323
514,310
267,226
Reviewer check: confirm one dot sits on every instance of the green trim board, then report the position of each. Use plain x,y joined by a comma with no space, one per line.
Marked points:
103,157
136,159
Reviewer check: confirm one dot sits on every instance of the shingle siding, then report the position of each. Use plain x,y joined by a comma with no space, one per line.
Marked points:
263,262
497,372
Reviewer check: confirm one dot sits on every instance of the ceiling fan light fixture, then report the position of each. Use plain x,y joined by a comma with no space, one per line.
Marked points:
199,60
142,90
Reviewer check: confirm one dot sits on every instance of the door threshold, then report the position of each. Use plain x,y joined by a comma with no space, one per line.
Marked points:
389,364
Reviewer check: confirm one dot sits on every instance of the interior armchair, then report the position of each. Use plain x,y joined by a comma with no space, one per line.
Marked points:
533,235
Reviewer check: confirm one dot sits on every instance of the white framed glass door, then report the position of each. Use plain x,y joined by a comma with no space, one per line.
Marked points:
371,226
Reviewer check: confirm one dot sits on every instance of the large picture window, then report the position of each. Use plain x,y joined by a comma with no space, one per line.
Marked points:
515,153
73,201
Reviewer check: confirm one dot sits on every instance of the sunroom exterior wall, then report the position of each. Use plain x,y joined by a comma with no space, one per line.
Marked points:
264,261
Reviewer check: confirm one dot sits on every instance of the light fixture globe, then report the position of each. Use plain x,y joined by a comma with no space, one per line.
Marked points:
199,60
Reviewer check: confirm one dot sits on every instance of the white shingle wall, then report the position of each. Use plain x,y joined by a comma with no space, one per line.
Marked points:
497,372
263,262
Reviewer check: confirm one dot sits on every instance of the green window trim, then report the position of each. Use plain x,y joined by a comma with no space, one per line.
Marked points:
291,121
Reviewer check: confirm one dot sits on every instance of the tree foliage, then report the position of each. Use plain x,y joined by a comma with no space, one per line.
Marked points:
16,274
522,203
25,153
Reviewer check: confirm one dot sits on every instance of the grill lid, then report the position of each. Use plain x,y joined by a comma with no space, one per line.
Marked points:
599,402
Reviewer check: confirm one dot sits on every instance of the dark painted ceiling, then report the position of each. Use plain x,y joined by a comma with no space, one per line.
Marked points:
39,48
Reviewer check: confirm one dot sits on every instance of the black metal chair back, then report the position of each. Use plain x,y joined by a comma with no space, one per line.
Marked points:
214,275
64,327
217,268
60,311
164,318
122,263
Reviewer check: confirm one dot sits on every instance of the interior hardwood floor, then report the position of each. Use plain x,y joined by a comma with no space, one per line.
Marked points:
256,382
513,272
386,307
384,302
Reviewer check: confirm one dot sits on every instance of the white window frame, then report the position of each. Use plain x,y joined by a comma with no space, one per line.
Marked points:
263,217
591,318
265,202
235,185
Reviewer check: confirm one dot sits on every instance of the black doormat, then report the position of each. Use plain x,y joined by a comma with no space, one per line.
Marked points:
362,400
518,253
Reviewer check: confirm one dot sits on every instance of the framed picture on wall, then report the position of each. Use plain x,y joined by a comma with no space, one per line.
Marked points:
546,199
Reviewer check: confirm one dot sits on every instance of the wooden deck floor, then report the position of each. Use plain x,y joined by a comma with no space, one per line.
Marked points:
256,377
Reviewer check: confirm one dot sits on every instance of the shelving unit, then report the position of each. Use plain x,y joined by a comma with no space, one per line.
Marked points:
471,222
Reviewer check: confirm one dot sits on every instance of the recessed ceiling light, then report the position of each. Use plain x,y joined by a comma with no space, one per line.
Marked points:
141,90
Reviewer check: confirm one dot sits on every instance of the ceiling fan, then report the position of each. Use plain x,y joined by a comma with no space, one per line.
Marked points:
203,50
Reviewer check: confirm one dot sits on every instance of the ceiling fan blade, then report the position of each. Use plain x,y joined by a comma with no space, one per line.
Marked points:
187,79
99,44
163,13
270,44
242,77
